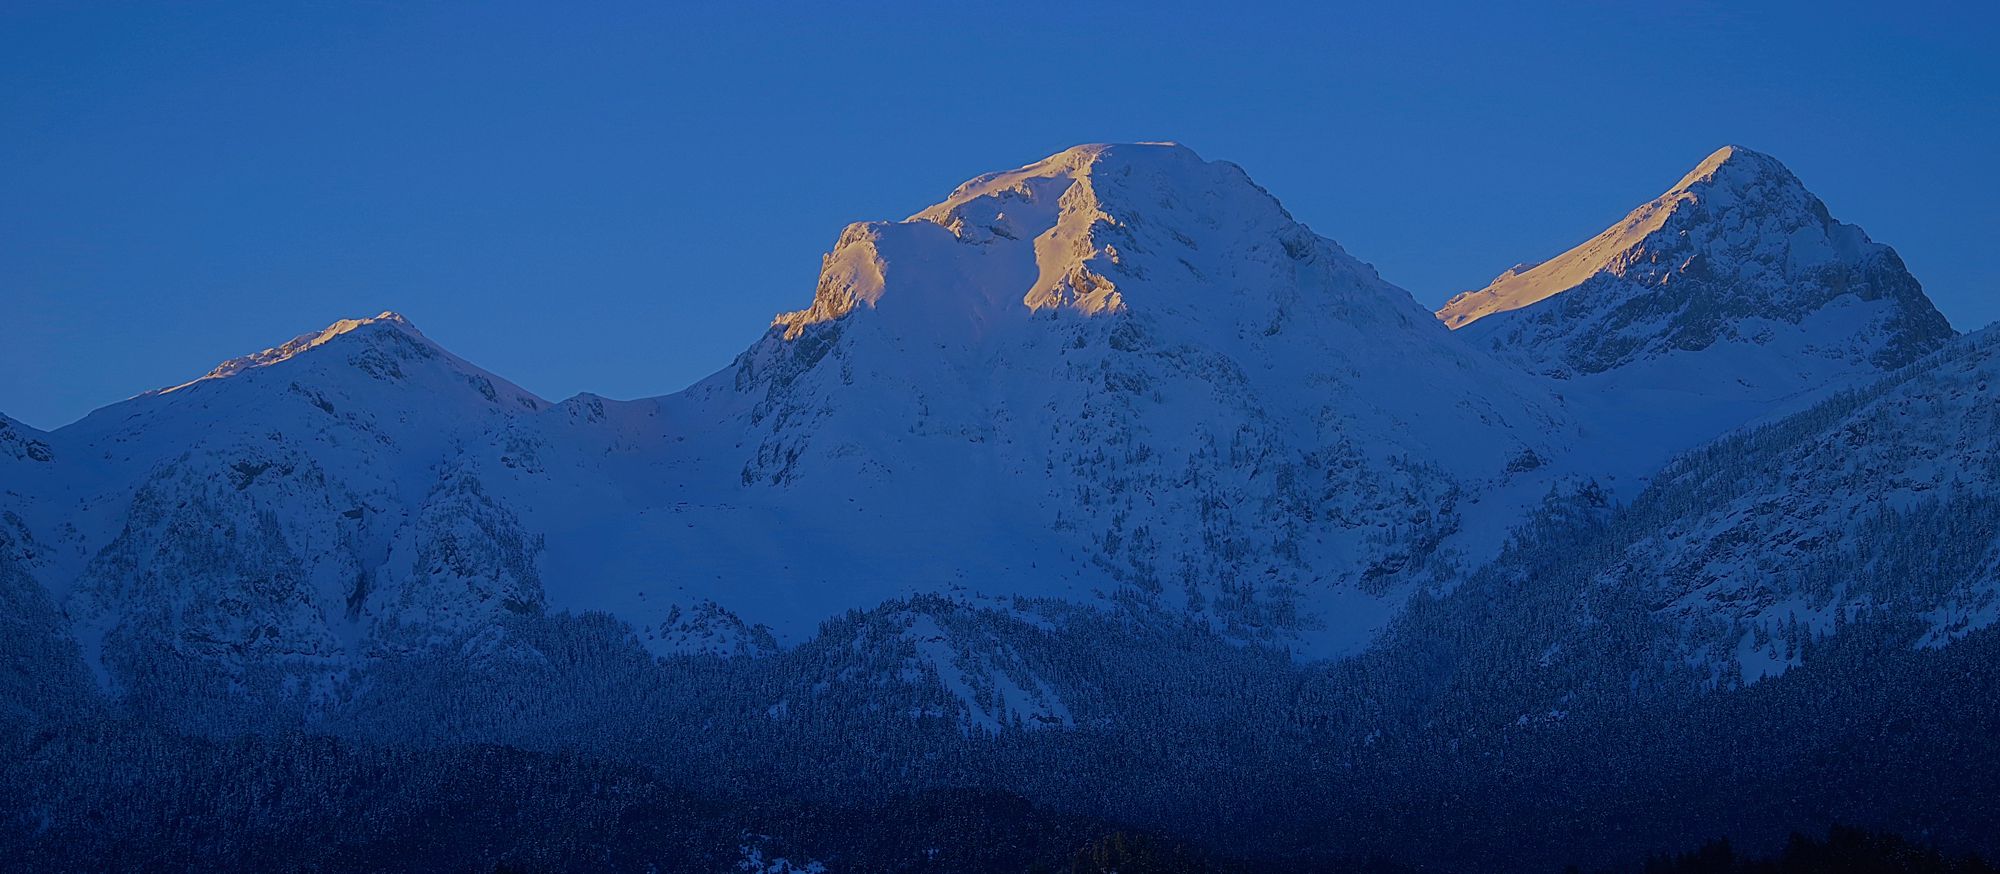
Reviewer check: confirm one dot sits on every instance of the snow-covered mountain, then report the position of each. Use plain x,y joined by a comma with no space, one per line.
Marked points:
1107,448
1121,379
1120,374
1732,297
279,516
1734,253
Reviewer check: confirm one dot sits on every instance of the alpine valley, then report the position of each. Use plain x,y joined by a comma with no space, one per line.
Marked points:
1101,508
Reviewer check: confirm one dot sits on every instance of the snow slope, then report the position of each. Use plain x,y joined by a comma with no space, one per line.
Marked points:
1875,504
1864,524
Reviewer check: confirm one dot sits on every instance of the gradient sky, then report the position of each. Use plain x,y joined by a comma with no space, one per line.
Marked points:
618,199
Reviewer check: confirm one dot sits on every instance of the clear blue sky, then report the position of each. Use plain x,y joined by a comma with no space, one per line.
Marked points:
617,198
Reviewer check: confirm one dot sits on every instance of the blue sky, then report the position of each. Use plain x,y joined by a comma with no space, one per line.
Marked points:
617,198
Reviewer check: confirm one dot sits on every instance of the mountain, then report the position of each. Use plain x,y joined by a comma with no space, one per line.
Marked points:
232,530
1733,296
1104,484
1121,375
1732,254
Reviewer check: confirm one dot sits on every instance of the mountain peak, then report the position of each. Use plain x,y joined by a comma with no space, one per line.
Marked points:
1071,163
1731,164
1078,231
381,348
387,320
1731,179
379,368
1734,176
1736,248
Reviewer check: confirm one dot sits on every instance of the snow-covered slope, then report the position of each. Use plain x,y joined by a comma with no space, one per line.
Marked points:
1873,509
1732,297
1876,504
20,443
